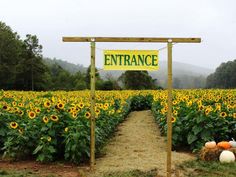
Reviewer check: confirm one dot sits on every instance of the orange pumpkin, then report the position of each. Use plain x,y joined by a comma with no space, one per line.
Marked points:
224,145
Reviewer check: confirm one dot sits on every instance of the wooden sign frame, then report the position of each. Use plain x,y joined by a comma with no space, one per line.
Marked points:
169,42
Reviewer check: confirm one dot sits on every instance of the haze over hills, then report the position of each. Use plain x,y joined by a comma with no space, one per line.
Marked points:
184,75
70,67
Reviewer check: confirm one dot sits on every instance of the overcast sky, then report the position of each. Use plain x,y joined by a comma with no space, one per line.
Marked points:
212,20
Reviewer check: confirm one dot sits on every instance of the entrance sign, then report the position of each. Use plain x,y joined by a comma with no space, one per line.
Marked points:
130,60
169,42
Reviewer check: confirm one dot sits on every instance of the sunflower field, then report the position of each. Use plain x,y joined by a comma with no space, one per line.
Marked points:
198,116
49,126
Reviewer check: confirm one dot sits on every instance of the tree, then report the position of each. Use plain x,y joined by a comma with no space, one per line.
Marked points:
223,77
31,71
79,81
137,80
98,79
10,50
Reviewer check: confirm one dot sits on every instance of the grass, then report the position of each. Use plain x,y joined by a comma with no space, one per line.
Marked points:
134,173
20,173
194,168
199,168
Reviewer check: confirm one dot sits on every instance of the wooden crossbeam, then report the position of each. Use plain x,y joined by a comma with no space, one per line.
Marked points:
131,39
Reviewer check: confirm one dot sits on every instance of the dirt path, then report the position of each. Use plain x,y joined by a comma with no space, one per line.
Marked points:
137,145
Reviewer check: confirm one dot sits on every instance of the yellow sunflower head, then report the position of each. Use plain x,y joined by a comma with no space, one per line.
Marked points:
37,110
49,139
31,114
14,125
45,119
66,129
223,114
47,104
20,112
173,119
81,105
74,114
87,115
54,118
234,115
21,130
60,105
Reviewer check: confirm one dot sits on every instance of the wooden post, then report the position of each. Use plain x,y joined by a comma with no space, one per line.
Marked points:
169,113
92,108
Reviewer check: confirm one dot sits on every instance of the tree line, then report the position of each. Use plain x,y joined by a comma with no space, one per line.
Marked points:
223,77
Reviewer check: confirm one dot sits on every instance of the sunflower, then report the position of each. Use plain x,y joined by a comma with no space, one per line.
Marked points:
207,111
66,129
49,139
81,105
60,105
74,114
37,110
100,105
218,107
106,104
105,107
97,111
173,119
174,102
31,114
234,115
13,125
14,103
87,115
229,106
21,130
54,118
175,112
200,107
20,104
5,107
45,119
189,103
21,113
223,114
47,104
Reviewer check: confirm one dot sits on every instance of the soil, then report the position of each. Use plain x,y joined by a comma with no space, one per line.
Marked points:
38,169
137,145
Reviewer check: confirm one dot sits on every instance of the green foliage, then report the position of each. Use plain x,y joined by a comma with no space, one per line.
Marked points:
223,77
110,85
137,80
97,78
141,102
10,51
21,65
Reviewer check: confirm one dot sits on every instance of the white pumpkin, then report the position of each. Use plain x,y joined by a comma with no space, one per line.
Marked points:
227,156
232,143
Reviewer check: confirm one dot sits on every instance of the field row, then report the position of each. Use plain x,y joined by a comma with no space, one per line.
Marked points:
55,125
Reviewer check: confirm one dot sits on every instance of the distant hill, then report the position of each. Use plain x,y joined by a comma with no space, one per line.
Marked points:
70,67
179,69
184,75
